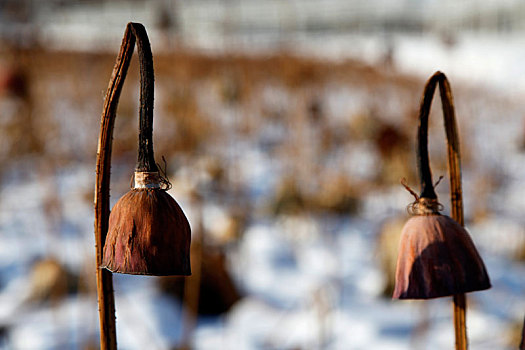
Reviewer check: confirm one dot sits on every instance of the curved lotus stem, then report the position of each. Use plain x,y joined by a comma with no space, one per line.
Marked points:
454,168
134,32
146,161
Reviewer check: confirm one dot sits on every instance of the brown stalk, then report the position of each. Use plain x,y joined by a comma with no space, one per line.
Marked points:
522,343
134,32
192,285
454,168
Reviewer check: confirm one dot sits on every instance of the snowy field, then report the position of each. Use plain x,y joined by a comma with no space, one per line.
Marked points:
310,279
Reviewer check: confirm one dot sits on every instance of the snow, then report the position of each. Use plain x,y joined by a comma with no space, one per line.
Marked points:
304,285
310,281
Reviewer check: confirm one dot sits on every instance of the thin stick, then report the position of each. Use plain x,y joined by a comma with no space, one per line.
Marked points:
522,343
106,300
454,168
192,285
456,198
405,185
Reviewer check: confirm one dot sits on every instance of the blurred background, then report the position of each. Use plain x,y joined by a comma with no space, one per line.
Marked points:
286,127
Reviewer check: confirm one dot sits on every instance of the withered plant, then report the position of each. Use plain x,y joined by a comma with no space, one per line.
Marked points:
147,232
522,343
437,257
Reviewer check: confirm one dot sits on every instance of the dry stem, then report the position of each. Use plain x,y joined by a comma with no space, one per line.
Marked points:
454,167
106,300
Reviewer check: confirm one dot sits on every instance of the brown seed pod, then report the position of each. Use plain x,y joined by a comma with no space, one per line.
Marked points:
437,258
148,235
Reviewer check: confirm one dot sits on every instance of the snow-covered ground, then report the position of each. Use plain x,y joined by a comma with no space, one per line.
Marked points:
311,281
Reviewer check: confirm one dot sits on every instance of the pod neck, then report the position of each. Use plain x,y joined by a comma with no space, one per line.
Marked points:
146,159
146,180
425,175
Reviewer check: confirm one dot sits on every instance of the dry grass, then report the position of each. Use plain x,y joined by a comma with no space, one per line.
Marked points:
205,103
